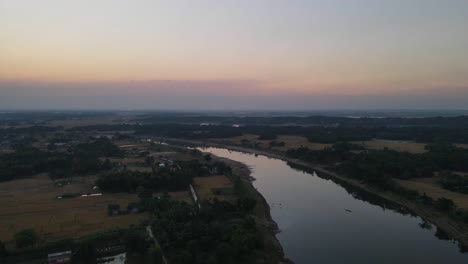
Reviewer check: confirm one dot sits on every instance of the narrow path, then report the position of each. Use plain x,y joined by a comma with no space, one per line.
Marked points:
156,243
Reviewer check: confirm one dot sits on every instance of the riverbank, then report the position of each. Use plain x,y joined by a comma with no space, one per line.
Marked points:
453,229
273,251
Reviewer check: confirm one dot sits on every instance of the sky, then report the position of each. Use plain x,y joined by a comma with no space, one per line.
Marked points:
233,54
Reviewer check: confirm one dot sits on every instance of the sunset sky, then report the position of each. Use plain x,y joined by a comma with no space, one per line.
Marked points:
252,54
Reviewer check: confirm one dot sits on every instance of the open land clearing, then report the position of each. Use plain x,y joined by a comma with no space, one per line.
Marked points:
432,189
182,196
32,203
211,187
292,142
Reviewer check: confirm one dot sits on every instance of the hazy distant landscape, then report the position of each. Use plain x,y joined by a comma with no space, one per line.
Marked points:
233,132
95,180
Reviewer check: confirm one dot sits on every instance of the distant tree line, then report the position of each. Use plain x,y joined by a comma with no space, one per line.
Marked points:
84,158
380,166
170,178
453,132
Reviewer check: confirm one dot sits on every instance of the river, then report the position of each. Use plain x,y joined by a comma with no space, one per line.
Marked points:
324,222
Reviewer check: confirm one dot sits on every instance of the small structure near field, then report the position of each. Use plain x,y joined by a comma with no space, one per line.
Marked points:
195,196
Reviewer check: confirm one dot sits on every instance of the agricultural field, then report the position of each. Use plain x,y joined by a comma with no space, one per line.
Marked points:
289,140
32,203
182,196
432,189
292,142
208,188
398,145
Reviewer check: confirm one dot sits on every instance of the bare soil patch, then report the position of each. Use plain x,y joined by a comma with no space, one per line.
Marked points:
32,203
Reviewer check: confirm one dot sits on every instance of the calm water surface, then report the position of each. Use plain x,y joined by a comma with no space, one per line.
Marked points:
323,222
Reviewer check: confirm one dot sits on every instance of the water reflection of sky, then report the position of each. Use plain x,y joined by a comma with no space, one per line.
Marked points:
322,222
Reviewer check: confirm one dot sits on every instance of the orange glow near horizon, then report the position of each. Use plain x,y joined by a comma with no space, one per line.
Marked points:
302,48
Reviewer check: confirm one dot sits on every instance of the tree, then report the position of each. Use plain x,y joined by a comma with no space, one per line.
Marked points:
445,204
155,255
87,251
144,193
135,242
26,238
207,157
3,251
246,204
106,165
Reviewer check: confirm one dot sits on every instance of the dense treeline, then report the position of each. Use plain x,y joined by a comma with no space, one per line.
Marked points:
84,158
23,162
30,130
313,134
219,232
85,250
317,121
173,178
316,129
130,181
339,152
119,127
454,182
189,131
380,166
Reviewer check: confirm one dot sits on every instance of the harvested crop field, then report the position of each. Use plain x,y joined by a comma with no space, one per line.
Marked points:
208,188
32,203
434,190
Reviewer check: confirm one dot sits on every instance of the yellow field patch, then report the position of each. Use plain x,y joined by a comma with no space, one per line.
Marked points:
183,196
206,187
31,203
434,190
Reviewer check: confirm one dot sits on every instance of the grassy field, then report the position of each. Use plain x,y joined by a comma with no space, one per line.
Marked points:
403,146
31,203
206,187
183,196
434,190
290,142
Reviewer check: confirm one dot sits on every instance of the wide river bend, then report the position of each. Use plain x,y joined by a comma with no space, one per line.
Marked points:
325,222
